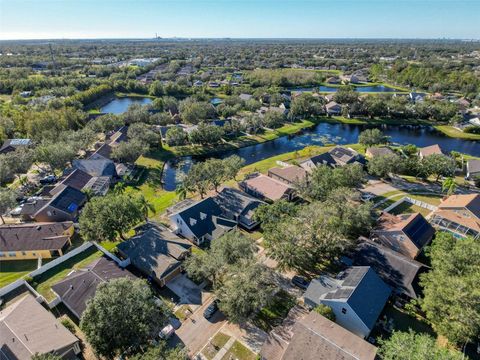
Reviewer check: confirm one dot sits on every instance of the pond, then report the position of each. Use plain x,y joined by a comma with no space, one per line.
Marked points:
327,133
120,105
361,89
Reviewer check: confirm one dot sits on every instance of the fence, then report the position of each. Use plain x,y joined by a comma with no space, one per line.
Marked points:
411,201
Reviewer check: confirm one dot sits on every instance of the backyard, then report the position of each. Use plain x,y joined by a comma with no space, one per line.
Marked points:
274,313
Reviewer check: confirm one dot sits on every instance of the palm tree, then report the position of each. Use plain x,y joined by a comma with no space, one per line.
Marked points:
449,185
146,207
181,191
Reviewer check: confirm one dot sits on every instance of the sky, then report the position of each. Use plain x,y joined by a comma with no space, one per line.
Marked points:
57,19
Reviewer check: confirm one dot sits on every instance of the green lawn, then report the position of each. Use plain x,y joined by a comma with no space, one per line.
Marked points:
239,352
273,314
12,270
408,208
214,346
403,321
44,282
455,133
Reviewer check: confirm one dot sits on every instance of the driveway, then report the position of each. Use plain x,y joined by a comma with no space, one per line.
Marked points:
196,331
188,292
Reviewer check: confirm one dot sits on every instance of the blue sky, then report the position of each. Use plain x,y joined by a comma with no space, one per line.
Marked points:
37,19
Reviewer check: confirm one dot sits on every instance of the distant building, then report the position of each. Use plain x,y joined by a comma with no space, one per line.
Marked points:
338,156
34,240
27,328
408,234
373,152
14,144
429,150
290,175
267,188
332,108
357,297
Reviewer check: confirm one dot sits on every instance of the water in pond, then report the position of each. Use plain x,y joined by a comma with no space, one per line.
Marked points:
120,105
327,133
362,89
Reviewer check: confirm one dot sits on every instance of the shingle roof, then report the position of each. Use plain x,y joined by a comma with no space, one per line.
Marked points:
76,179
96,167
34,236
269,188
68,200
473,165
206,218
380,151
235,203
26,328
104,151
291,174
317,338
155,250
469,201
81,285
359,286
430,150
395,269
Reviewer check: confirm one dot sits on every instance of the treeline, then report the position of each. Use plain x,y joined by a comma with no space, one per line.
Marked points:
284,77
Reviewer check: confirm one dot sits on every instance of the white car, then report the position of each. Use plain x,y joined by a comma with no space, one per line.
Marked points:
166,332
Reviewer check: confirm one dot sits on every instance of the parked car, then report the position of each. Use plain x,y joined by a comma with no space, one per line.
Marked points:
367,196
300,282
49,179
166,332
211,309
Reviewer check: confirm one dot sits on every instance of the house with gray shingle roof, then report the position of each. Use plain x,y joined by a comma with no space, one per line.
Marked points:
357,296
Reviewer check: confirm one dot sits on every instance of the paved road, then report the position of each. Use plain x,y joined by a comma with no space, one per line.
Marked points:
195,334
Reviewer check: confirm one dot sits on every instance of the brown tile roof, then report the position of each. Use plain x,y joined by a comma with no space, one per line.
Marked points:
76,179
291,174
26,328
317,338
268,187
34,236
379,151
469,201
430,150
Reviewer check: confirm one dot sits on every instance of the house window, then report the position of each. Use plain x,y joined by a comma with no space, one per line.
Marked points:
24,253
2,254
12,254
49,213
344,311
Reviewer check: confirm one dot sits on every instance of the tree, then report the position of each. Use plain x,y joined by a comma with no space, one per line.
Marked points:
326,311
384,165
346,95
371,137
8,199
449,185
123,314
409,345
144,134
246,287
55,155
129,151
269,215
438,165
175,136
233,164
324,180
227,250
161,351
273,119
38,356
146,207
206,134
452,288
108,217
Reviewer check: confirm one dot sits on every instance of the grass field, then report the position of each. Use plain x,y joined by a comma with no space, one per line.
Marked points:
239,352
214,346
44,282
455,133
15,269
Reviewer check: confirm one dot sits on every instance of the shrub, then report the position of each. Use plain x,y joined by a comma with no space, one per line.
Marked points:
326,311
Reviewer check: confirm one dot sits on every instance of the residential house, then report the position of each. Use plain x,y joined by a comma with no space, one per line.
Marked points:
290,175
406,234
34,240
372,152
314,337
459,214
357,296
99,167
429,150
338,156
333,80
238,206
473,169
27,328
416,97
156,251
245,97
396,270
64,206
118,136
267,188
14,144
332,108
80,285
198,83
200,221
82,181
